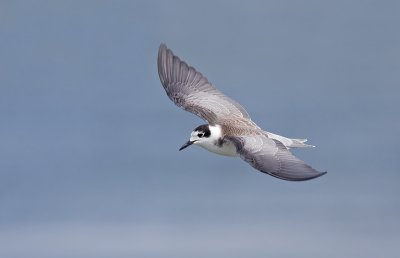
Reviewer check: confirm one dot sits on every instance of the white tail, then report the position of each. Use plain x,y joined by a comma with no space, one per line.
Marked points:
289,143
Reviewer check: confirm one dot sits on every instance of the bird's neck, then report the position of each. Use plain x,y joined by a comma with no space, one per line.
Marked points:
216,132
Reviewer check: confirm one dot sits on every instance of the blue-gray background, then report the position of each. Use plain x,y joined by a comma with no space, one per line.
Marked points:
89,165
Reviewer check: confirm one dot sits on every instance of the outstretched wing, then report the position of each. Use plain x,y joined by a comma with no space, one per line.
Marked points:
272,157
190,90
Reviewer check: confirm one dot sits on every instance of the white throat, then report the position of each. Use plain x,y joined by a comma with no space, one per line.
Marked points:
215,144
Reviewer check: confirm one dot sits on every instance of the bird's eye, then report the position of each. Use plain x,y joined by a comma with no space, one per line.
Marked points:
200,135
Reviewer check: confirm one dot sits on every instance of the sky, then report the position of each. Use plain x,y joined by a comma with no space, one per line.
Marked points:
89,160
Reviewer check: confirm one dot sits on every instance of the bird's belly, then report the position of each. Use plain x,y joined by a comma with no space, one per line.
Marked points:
226,149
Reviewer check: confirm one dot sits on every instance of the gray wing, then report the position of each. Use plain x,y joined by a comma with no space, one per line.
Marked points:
190,90
272,157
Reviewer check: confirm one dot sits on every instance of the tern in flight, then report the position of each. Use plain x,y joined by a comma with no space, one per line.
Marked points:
229,131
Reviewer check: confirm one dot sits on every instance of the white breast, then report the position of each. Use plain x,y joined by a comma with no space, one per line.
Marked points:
227,148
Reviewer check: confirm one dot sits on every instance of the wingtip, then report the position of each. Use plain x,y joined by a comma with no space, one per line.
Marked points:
163,48
313,177
297,178
319,174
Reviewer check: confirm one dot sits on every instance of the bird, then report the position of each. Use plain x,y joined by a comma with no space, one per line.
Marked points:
229,130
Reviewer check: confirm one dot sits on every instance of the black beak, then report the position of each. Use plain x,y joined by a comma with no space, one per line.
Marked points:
187,144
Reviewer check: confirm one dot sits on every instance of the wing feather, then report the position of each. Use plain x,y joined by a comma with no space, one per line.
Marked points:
272,157
190,90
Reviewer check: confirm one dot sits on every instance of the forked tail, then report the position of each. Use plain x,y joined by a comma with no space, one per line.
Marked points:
288,142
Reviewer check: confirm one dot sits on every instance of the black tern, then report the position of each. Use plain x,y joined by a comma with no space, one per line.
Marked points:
229,131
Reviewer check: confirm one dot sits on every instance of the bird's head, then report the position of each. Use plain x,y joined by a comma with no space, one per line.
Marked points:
200,135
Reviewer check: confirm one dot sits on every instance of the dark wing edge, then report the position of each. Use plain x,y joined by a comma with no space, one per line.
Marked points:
272,157
181,81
